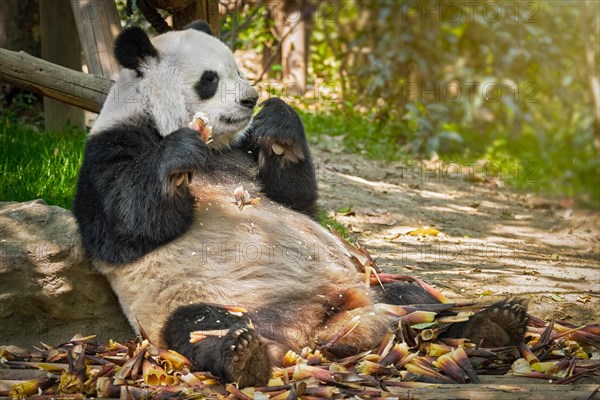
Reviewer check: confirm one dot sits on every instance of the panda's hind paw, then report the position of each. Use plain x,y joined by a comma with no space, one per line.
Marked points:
501,324
221,341
249,364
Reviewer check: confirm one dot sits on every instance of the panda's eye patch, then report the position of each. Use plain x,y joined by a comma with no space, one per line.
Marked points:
206,87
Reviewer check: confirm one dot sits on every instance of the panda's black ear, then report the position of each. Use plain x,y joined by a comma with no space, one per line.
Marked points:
132,46
199,25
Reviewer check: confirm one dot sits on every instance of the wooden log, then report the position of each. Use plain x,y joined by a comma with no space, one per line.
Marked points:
36,75
57,30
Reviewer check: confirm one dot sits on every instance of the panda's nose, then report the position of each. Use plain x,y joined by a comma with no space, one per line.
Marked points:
249,101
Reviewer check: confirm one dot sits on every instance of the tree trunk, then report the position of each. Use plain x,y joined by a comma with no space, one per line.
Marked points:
60,44
291,43
98,25
294,45
272,53
207,10
18,21
592,67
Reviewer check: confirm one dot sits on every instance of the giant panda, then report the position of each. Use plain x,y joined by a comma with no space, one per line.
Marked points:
157,214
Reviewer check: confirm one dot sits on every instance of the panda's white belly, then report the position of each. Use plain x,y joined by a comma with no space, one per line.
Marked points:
260,255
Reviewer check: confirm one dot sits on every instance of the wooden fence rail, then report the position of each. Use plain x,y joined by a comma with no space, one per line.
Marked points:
83,90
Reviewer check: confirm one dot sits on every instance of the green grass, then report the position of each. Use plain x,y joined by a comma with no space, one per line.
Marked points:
328,221
38,164
356,133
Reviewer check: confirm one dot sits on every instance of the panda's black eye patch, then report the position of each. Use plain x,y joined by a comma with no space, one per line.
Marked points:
206,87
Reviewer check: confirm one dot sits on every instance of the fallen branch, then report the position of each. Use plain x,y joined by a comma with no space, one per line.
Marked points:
69,86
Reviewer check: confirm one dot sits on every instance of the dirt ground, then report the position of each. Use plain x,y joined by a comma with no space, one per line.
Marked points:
494,241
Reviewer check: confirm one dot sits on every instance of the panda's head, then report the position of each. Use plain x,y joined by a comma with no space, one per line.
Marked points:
175,75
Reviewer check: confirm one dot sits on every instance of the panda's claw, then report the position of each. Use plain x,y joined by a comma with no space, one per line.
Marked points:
277,149
181,177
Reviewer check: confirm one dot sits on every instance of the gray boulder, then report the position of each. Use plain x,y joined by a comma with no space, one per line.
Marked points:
48,289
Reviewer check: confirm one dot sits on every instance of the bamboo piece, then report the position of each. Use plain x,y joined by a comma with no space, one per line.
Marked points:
22,374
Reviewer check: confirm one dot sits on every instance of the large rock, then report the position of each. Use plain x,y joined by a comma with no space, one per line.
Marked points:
48,288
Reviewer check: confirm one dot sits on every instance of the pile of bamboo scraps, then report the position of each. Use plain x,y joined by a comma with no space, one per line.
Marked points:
412,357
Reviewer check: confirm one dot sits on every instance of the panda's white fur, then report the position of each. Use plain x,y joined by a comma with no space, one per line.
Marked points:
166,92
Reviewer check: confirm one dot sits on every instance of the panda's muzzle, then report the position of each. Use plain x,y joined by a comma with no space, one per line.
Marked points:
228,119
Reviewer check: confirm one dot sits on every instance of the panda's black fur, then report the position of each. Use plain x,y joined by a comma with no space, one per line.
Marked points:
156,212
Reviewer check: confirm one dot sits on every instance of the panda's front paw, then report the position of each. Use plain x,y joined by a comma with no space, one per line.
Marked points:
184,152
278,131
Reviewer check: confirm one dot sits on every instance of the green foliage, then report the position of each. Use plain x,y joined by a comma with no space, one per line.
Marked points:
430,129
500,68
355,132
136,18
571,169
246,27
505,81
39,164
21,105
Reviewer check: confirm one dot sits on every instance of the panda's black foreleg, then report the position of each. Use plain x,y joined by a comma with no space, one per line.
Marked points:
500,324
227,345
278,142
132,194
